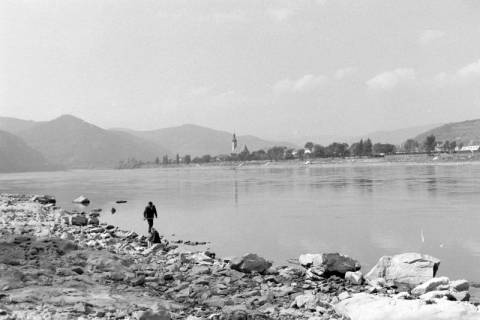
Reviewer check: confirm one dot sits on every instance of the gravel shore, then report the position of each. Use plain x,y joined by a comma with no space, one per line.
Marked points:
56,264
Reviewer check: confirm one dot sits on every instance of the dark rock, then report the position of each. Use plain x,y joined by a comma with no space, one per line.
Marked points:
44,199
138,281
82,200
460,295
250,263
243,315
78,220
93,221
328,264
78,270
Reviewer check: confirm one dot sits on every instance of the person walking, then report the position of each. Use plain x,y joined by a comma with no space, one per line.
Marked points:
150,213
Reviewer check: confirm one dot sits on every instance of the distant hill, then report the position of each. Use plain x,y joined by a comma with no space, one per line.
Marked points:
16,155
398,136
197,141
14,125
467,132
75,143
395,137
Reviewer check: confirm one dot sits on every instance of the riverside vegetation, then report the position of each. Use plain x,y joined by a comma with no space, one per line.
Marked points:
311,151
56,264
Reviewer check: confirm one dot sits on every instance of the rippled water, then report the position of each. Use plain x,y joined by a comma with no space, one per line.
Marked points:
365,210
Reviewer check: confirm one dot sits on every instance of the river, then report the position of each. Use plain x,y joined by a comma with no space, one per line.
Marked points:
363,209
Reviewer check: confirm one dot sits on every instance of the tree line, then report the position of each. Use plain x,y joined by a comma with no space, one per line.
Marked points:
311,150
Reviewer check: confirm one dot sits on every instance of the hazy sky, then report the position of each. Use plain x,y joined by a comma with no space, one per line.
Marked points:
270,68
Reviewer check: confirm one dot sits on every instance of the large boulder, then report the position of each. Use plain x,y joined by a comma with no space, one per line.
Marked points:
405,271
326,264
363,306
250,263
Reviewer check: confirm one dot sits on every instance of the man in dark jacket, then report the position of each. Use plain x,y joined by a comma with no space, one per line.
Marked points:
150,213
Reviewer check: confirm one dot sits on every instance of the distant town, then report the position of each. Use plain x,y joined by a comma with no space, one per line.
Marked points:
361,149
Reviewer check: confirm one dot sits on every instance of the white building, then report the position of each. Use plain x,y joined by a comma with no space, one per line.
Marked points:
470,148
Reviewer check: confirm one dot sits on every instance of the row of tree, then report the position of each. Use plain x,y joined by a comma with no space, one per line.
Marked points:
430,145
362,148
278,153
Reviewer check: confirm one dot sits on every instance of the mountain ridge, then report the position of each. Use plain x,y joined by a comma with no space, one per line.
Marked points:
75,143
197,140
17,156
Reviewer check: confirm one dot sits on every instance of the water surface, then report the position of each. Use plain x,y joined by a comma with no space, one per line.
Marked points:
363,209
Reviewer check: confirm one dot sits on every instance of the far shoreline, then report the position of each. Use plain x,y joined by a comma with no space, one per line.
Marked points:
406,159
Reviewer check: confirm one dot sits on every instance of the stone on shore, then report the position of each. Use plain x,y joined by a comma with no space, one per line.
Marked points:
78,220
157,314
250,263
93,221
307,301
327,264
354,277
459,285
44,199
406,270
363,306
430,285
82,200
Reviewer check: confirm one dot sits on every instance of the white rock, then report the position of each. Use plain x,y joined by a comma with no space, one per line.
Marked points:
202,258
363,306
402,295
344,295
309,259
406,270
66,236
308,300
154,248
354,277
432,295
82,200
431,285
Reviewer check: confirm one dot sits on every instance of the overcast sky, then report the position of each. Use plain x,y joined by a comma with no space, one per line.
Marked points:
270,68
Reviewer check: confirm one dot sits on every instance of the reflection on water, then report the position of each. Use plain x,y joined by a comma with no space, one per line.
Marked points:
281,211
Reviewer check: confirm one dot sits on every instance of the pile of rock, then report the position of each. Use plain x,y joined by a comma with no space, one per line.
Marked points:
415,273
405,287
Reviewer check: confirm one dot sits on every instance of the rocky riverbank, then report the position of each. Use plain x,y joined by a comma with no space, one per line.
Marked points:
56,264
